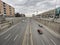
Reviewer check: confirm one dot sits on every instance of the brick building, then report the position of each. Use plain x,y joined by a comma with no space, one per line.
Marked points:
6,9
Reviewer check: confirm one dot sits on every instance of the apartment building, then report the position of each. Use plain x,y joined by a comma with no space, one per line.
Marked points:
6,9
50,13
47,14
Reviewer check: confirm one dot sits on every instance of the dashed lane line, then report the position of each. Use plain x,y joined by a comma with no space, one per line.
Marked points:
16,37
31,36
7,36
53,42
24,40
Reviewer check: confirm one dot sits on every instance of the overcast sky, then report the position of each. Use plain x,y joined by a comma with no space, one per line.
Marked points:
30,7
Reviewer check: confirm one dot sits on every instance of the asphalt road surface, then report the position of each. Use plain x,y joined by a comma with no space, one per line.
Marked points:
14,35
45,39
25,33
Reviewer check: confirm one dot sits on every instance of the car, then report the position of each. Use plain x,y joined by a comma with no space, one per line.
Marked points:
39,31
40,25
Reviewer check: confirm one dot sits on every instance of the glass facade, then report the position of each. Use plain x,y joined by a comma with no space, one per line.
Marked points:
57,12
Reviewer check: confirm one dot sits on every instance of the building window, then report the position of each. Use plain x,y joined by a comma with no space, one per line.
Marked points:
9,7
4,11
4,8
10,10
4,4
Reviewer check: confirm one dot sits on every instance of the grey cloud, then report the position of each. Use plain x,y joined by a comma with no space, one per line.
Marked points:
30,6
32,3
28,3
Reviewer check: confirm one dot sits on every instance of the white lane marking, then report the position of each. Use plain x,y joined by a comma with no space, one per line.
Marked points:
42,42
8,29
15,37
3,32
24,39
53,42
46,39
31,36
7,36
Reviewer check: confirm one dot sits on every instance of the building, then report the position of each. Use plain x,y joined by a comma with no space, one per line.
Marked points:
47,14
58,12
51,13
6,9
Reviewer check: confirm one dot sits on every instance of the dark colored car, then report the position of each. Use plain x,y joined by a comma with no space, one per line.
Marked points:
40,25
39,31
